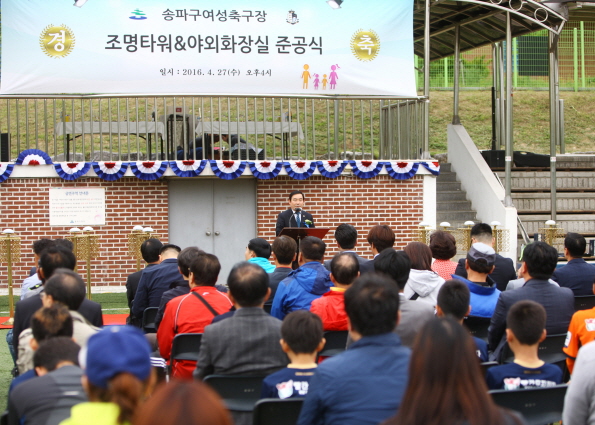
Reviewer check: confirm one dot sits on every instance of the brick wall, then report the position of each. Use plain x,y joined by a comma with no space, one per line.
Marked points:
347,199
129,201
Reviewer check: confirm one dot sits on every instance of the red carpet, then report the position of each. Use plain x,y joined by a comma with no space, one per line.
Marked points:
108,319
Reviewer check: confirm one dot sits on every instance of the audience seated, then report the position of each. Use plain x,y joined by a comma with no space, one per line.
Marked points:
525,329
577,274
443,246
301,340
248,342
397,266
190,313
117,376
364,384
423,284
46,323
331,306
579,403
504,270
51,259
47,399
258,252
380,237
453,301
580,332
484,294
539,262
183,403
447,386
64,287
306,283
33,282
154,281
150,252
180,286
284,253
346,237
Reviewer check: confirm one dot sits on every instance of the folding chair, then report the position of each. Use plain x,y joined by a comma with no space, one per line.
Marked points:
550,351
240,393
538,406
149,320
486,365
584,302
273,411
478,326
336,342
185,347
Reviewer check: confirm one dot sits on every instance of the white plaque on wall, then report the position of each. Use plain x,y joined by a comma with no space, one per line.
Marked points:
77,206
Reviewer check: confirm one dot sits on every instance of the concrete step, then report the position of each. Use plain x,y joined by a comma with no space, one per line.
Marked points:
540,180
566,202
447,186
447,177
456,216
452,205
451,195
579,223
575,161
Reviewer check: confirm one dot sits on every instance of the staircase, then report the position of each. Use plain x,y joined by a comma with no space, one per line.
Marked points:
451,201
575,195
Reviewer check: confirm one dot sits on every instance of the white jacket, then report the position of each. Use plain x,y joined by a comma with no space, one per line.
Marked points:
426,283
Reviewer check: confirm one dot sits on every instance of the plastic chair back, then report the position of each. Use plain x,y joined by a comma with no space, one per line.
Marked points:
336,342
273,411
584,302
149,316
240,393
538,406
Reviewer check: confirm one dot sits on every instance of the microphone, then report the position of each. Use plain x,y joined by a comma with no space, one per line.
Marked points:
298,209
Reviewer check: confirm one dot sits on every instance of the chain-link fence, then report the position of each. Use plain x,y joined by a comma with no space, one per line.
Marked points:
530,62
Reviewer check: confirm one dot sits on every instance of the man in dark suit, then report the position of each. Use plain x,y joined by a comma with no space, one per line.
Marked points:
577,274
248,342
504,270
150,253
156,280
51,259
539,262
346,237
294,216
380,237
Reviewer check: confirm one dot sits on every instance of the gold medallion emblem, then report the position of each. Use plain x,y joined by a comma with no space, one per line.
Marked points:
365,45
57,41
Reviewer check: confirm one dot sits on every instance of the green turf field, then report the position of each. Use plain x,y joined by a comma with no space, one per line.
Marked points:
112,303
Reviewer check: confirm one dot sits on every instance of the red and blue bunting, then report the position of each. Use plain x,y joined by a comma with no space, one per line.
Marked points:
331,169
148,170
432,167
300,170
401,170
72,170
5,171
228,170
366,169
110,171
33,157
265,169
188,167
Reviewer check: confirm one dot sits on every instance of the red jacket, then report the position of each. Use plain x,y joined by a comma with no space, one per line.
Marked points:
331,309
190,315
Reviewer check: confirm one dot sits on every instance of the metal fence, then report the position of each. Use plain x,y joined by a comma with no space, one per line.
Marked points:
529,65
110,128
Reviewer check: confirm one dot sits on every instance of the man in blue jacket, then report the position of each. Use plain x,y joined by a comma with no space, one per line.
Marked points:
306,283
365,384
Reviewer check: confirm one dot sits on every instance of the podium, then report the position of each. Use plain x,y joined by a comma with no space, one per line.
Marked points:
298,233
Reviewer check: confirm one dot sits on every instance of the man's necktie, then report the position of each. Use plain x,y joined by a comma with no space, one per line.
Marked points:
297,220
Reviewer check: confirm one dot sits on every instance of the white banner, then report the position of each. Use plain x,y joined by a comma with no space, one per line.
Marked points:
363,47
